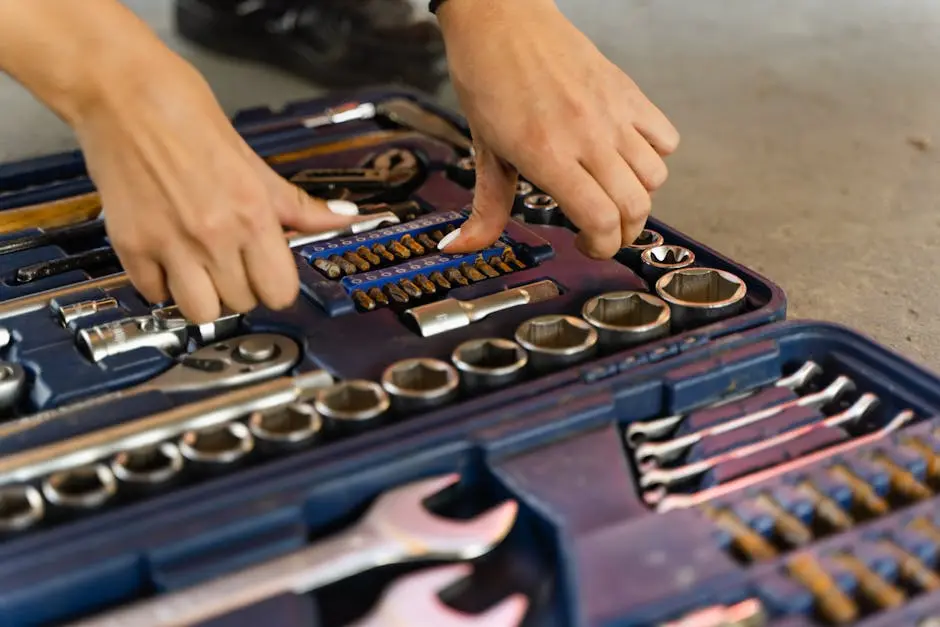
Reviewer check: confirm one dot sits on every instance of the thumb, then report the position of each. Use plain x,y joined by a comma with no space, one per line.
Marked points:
303,213
493,197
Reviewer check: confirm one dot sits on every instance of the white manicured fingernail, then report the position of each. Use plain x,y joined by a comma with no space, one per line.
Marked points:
447,239
343,207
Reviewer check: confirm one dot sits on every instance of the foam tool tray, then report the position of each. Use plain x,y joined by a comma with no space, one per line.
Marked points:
607,453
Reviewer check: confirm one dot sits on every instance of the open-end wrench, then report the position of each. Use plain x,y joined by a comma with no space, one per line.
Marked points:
640,432
396,529
390,170
655,453
413,600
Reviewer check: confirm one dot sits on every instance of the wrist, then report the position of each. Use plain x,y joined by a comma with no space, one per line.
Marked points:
456,15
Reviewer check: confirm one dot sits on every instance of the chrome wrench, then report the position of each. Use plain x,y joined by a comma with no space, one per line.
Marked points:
225,364
413,600
396,529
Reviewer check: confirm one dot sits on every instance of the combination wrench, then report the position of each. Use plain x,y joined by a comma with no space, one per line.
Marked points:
396,529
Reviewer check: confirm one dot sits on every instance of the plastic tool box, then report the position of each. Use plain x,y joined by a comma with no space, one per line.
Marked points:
720,466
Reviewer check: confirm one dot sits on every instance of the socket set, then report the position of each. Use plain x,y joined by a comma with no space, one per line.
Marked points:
519,436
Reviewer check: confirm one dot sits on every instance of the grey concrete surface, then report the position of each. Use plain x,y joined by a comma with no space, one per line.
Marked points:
810,151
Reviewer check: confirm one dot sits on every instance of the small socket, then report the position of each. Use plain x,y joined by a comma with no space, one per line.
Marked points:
148,465
218,445
420,383
298,423
627,318
647,239
12,385
21,507
657,261
700,296
555,341
87,487
352,403
540,209
489,363
523,188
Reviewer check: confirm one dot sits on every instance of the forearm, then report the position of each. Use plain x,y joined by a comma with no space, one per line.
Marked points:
74,54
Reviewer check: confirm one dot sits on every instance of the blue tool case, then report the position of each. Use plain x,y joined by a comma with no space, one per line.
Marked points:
674,451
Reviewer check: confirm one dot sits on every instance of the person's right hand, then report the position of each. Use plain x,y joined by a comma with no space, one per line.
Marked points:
192,212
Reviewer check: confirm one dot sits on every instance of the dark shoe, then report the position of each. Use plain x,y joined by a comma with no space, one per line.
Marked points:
334,43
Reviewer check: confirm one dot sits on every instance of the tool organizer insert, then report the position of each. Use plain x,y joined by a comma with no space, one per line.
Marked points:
519,436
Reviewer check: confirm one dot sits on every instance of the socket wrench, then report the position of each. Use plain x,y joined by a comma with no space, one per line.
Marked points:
420,383
449,314
352,404
700,296
296,424
657,261
21,507
238,362
627,318
540,209
83,487
489,363
630,254
396,529
148,465
555,341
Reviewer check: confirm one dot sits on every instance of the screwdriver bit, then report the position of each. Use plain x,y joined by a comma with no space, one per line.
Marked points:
902,481
344,265
328,268
883,594
400,250
412,245
425,240
410,288
748,543
368,255
453,275
440,280
833,603
790,528
450,228
500,265
864,495
827,509
383,252
928,453
426,285
481,265
471,273
437,235
912,569
362,299
359,262
510,257
378,296
395,294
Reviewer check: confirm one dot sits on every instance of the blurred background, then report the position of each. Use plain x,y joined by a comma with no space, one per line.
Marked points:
810,140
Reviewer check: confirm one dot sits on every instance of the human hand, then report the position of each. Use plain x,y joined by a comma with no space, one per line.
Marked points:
542,100
191,211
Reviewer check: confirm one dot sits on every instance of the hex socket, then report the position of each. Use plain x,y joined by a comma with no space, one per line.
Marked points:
420,384
540,209
219,445
647,239
627,318
700,296
85,487
294,425
12,385
148,465
554,341
352,404
21,507
489,363
657,261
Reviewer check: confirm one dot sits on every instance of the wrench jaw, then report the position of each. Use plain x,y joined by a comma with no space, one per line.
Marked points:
401,513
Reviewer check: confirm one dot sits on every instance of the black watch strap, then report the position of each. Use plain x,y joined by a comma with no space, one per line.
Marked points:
435,5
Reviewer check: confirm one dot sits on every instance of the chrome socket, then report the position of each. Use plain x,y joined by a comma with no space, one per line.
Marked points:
217,446
85,487
647,239
21,507
700,296
148,465
295,425
627,318
419,384
352,404
12,385
489,363
657,261
540,209
555,341
523,188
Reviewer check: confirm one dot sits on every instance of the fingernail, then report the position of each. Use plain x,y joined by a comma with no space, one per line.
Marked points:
343,207
447,239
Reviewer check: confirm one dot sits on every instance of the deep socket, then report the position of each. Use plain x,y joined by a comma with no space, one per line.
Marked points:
86,487
489,363
149,465
630,254
294,425
555,341
540,209
352,404
216,446
420,383
21,507
700,296
627,318
657,261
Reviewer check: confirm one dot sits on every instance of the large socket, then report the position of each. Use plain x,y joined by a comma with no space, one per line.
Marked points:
419,384
699,296
627,318
555,341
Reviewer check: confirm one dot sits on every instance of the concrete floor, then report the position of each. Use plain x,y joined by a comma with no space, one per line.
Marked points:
806,152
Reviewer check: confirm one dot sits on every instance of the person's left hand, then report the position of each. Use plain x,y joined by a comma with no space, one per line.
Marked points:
541,100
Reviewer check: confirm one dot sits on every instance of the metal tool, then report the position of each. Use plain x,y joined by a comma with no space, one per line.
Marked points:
373,222
630,253
555,341
700,296
348,112
489,363
627,318
661,452
540,209
298,423
241,361
75,311
832,602
55,237
654,479
413,600
83,487
217,445
420,383
12,385
148,465
748,544
352,403
391,170
449,314
657,261
21,507
396,529
410,114
747,613
85,261
640,432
